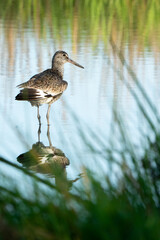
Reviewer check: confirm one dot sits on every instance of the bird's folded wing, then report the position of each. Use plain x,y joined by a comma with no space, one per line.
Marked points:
47,82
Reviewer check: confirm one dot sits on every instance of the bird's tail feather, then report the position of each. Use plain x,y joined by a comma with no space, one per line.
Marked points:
31,94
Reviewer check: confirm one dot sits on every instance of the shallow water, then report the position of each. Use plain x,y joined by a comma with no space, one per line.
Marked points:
28,42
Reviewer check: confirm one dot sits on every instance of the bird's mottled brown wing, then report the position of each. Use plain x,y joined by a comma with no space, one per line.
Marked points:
48,81
30,81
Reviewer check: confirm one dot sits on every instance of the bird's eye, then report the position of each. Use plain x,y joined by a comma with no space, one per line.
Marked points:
64,54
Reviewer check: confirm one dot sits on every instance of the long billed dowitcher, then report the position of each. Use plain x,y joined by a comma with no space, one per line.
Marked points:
47,86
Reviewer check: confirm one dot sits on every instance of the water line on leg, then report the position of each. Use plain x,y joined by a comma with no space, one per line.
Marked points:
38,115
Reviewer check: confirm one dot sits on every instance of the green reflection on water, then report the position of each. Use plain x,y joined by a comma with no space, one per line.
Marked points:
123,20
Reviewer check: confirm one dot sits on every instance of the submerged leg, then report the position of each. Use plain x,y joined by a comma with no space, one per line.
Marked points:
38,115
39,132
47,116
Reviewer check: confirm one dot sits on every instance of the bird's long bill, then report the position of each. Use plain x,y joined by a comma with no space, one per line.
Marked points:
73,62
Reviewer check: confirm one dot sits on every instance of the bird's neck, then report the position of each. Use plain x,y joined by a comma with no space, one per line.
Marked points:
58,68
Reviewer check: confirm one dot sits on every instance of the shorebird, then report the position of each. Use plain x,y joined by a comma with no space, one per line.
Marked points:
47,86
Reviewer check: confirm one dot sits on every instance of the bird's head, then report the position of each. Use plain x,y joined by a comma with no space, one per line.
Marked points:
61,57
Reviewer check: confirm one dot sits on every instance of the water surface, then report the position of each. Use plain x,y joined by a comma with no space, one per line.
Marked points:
29,36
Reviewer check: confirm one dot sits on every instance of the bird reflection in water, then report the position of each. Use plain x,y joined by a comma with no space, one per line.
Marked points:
48,160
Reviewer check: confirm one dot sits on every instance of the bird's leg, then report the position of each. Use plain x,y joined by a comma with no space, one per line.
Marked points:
39,132
38,115
48,135
47,116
